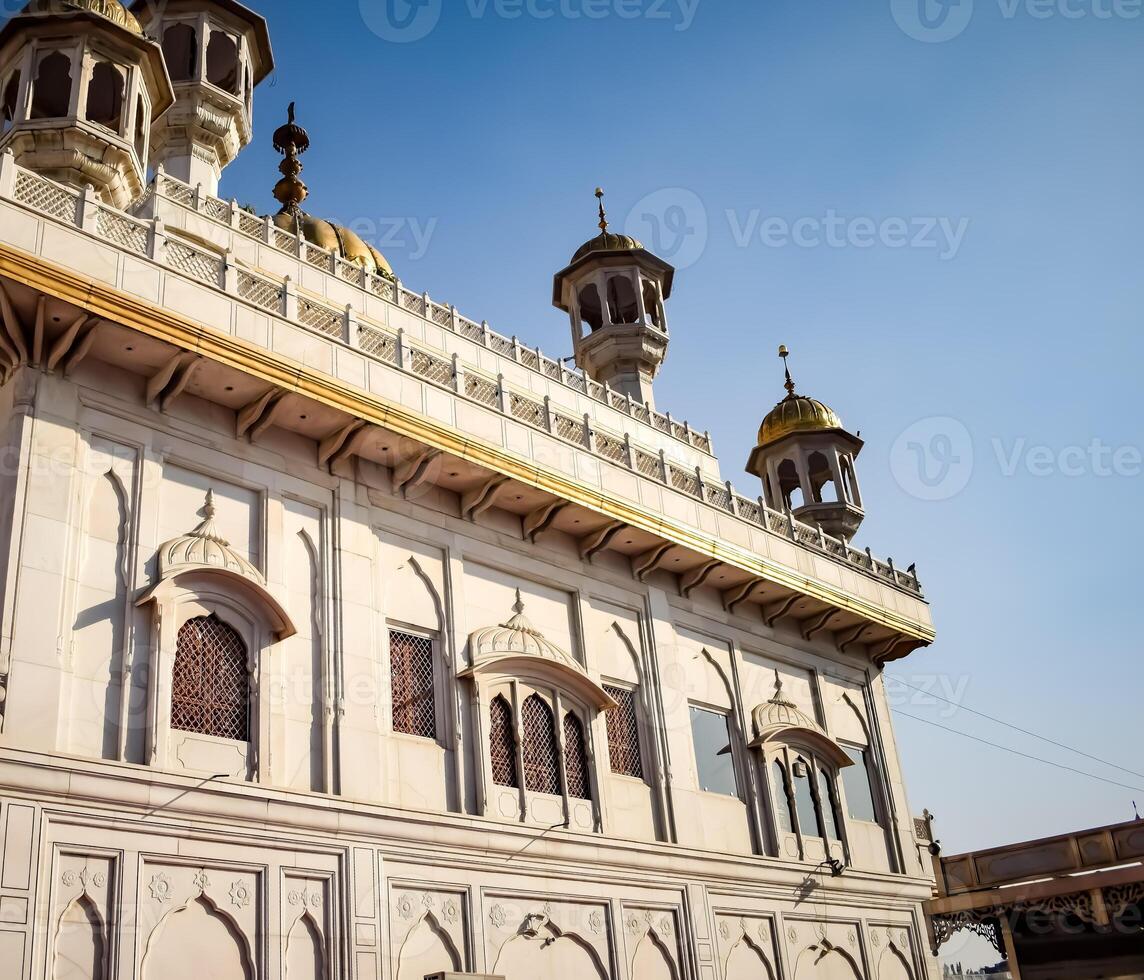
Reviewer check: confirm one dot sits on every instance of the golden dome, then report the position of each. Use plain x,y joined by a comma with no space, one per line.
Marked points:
797,413
112,10
607,242
337,239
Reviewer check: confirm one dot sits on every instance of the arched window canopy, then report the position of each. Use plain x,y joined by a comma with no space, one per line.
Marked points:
780,720
517,644
204,551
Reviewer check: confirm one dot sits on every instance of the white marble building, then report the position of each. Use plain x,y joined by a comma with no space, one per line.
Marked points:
343,636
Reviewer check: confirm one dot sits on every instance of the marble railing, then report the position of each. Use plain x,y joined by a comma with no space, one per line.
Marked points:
149,239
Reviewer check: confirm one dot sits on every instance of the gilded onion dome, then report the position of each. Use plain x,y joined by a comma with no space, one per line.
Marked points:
796,413
112,10
291,140
606,241
205,547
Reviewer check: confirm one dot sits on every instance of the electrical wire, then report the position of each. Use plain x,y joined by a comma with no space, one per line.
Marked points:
1017,728
1024,755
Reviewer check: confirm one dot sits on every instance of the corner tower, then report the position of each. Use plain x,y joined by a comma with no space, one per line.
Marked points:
805,459
216,51
614,291
80,86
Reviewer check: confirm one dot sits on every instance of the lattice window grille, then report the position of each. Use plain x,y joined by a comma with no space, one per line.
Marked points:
576,759
684,480
595,389
648,464
502,745
502,345
285,241
481,390
571,429
431,367
250,224
382,288
442,315
748,509
541,768
611,448
210,691
529,359
320,318
641,412
679,431
618,401
196,264
551,369
778,523
527,410
378,343
576,382
701,442
121,230
45,196
413,302
178,192
661,422
719,497
260,292
624,733
352,273
219,210
474,331
412,685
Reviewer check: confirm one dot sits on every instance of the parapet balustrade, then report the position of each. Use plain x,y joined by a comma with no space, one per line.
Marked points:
392,347
443,315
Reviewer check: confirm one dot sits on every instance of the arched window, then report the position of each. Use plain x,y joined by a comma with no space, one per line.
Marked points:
576,759
105,96
412,684
541,765
591,312
222,62
51,93
210,693
828,805
780,789
8,102
820,478
622,300
624,733
806,808
502,745
790,485
181,52
848,482
651,303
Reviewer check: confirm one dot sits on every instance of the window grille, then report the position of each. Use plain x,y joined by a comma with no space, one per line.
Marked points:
541,768
624,733
411,684
502,748
576,759
210,694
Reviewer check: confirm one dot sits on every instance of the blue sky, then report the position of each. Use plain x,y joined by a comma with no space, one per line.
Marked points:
1017,328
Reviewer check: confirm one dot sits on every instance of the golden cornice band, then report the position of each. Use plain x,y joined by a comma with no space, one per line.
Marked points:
105,301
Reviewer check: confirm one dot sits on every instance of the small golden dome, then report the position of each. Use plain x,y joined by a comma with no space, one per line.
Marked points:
796,413
337,239
607,242
112,10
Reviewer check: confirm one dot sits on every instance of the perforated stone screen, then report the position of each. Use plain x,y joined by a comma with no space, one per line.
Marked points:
624,733
210,693
541,769
502,748
411,684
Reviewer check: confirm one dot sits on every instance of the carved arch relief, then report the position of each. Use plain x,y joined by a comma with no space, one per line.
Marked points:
196,941
748,962
550,955
652,961
428,948
894,965
826,962
305,951
301,671
80,951
412,598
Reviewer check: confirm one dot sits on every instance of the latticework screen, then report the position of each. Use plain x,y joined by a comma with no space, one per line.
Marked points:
210,694
502,748
576,759
541,768
411,684
624,733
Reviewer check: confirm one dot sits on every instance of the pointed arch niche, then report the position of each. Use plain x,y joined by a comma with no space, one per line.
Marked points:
204,583
197,941
533,686
428,949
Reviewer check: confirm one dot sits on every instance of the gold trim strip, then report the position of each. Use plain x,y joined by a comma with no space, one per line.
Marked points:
154,321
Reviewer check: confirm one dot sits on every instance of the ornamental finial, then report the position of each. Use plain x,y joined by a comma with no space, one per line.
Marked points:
209,507
784,353
518,606
603,214
291,141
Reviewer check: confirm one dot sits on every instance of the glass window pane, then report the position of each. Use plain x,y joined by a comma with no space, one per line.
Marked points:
804,800
782,804
713,759
826,798
859,793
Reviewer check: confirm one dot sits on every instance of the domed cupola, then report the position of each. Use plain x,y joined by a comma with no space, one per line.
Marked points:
805,458
614,291
781,720
80,85
291,140
204,547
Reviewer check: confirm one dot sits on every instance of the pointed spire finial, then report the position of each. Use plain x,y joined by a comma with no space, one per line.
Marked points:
291,141
784,353
603,213
778,682
209,507
518,606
